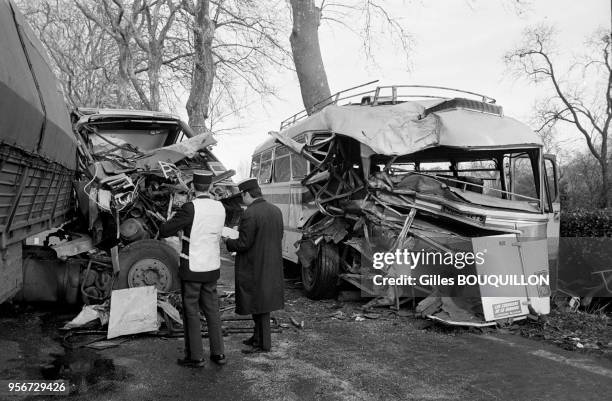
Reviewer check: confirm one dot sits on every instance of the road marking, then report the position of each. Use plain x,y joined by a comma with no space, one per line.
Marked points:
583,364
580,363
499,340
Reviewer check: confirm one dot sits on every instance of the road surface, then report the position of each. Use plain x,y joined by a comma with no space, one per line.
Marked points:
390,358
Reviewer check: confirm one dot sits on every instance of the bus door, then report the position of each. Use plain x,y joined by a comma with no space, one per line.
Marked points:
292,233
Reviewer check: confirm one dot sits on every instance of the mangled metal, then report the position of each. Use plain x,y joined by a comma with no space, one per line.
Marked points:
373,193
135,171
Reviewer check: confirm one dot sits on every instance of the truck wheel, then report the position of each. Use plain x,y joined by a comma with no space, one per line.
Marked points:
319,279
148,262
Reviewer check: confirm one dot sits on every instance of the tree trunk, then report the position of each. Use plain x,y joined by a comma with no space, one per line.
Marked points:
123,83
307,53
155,62
605,199
203,68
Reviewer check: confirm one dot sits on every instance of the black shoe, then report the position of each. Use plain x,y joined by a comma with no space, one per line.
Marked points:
255,350
190,363
251,341
219,359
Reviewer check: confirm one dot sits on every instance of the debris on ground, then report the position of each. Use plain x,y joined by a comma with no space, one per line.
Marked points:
133,311
572,331
170,311
88,314
299,325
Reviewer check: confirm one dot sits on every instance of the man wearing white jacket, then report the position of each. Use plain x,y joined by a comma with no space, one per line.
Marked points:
201,221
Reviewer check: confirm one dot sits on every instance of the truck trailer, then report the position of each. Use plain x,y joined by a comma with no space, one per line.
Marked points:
38,155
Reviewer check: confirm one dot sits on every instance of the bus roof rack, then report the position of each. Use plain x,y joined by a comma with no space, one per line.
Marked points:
392,94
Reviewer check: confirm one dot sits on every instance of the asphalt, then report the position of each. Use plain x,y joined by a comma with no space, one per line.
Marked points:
388,358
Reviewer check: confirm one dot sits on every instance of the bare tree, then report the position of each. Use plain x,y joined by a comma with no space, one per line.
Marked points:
114,24
308,16
235,43
139,29
147,53
157,18
580,182
83,56
571,101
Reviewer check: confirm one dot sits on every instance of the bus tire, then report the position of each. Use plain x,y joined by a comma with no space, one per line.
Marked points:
320,279
148,262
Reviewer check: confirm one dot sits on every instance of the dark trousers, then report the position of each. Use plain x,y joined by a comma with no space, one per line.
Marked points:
261,332
196,296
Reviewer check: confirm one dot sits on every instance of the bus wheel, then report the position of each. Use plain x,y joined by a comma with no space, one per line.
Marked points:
319,279
148,262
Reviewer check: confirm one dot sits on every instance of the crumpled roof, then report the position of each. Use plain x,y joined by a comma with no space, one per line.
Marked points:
400,129
91,116
176,152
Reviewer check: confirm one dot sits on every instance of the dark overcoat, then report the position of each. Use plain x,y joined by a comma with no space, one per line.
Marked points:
259,259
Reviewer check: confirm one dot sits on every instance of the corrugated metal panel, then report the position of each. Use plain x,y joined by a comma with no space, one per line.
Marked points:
34,194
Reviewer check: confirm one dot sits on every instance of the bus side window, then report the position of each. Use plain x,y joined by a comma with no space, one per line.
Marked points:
282,164
298,167
265,172
255,166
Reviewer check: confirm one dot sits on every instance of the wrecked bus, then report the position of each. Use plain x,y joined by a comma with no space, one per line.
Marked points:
398,168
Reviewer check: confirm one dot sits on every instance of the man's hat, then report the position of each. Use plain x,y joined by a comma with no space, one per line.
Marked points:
202,177
248,184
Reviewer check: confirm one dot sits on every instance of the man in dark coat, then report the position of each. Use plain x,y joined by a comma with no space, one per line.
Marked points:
259,263
201,221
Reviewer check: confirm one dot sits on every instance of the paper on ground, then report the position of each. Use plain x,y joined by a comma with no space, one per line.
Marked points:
133,310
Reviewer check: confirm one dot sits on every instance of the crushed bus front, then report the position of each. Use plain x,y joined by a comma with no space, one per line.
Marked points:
397,191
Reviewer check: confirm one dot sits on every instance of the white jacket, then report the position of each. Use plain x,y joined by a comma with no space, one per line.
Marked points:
208,220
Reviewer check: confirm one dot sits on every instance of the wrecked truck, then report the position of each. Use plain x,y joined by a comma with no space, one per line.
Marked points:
134,171
82,194
410,168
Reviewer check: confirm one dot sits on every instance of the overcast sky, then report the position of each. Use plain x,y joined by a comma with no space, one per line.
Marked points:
457,43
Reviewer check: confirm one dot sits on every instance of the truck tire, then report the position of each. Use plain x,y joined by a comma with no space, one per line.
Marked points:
319,280
148,262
